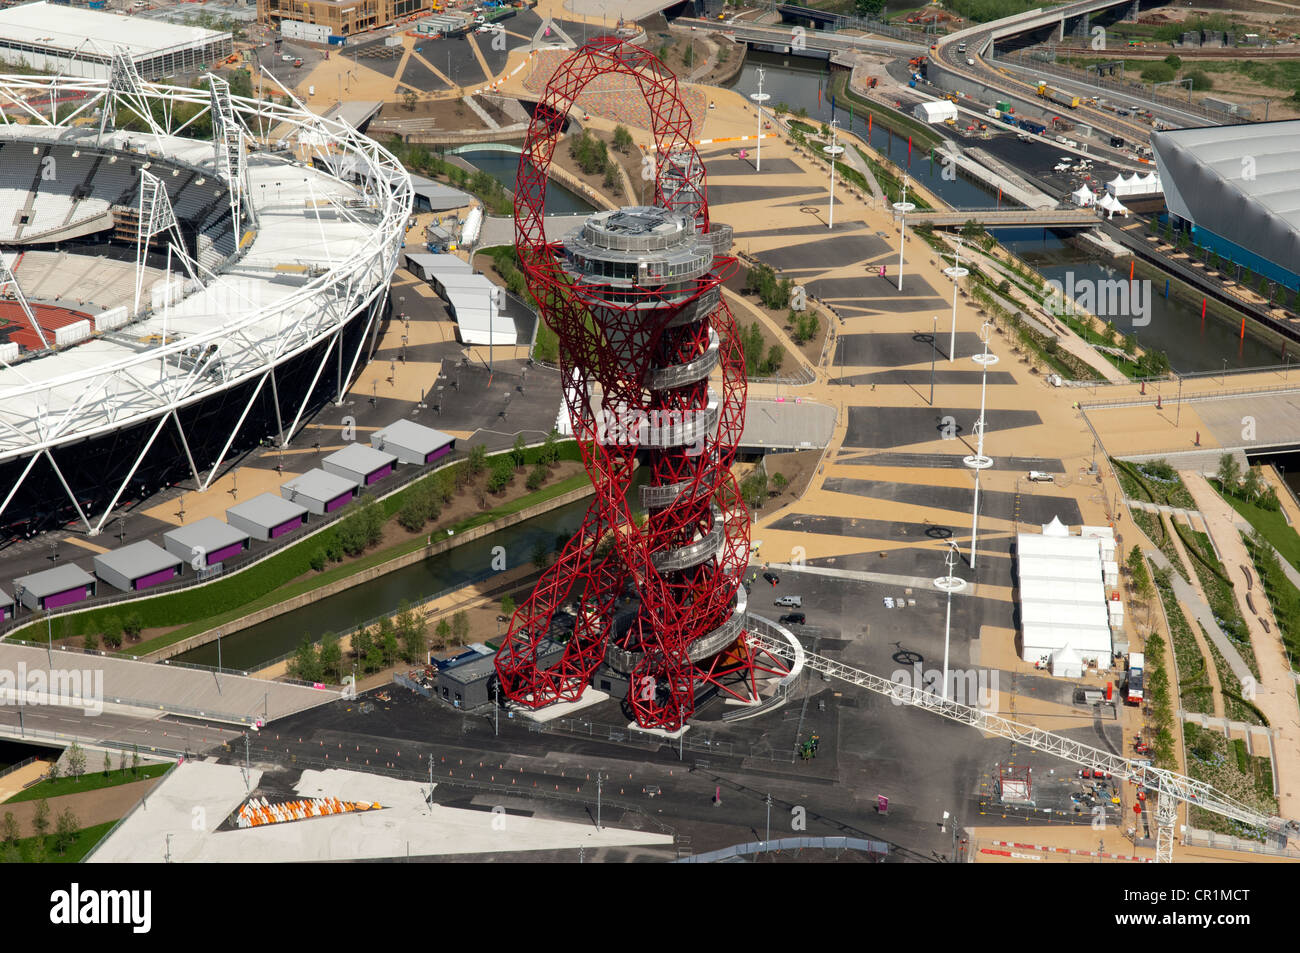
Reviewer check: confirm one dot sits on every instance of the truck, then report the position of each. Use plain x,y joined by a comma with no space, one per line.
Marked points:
1060,97
1136,664
1032,126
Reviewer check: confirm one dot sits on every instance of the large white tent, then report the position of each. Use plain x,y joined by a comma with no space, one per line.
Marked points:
1064,617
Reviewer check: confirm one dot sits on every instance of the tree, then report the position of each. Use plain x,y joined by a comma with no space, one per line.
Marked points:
331,657
1229,473
409,99
442,633
9,832
460,626
55,771
374,657
868,8
1251,484
502,473
112,632
519,452
413,629
507,605
622,139
90,642
476,462
1174,60
108,764
537,476
306,663
66,830
1200,79
388,641
76,761
133,626
135,760
361,643
779,481
318,560
41,819
551,448
541,555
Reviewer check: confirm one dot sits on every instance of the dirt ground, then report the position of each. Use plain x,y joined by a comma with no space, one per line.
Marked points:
595,180
798,468
447,113
744,319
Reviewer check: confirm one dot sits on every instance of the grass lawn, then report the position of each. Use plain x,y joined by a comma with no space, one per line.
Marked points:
90,781
1271,524
29,852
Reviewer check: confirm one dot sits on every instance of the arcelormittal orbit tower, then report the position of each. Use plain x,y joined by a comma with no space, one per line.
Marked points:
654,371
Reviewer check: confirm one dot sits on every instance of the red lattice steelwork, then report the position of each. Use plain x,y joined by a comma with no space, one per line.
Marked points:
615,343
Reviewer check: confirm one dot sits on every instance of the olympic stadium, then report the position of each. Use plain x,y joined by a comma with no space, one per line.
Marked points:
183,273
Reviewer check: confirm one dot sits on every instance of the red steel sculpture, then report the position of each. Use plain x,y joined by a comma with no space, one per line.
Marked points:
635,299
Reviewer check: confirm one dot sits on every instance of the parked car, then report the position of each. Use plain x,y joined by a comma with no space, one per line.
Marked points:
794,618
287,57
790,602
772,577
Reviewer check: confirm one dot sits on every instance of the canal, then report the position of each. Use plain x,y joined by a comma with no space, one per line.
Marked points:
254,646
502,166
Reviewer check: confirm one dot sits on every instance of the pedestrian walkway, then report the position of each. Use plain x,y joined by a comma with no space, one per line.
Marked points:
1275,691
1190,599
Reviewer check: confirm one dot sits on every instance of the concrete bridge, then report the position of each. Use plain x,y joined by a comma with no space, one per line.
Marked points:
1072,19
1009,218
785,39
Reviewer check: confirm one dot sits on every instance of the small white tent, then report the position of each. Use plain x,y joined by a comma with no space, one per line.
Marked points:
935,112
1066,663
1083,196
1056,528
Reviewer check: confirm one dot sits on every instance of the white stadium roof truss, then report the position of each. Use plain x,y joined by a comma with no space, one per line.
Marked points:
100,386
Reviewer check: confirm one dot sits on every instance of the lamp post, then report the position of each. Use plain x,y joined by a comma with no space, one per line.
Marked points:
759,98
955,272
902,208
934,337
832,151
978,461
949,584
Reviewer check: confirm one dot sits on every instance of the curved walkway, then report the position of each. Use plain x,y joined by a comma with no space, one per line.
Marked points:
1275,692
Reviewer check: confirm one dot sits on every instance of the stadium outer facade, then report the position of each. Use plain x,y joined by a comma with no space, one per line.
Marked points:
243,342
1237,186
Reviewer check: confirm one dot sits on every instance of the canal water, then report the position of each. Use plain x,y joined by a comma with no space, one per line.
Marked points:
1174,327
254,646
798,84
503,166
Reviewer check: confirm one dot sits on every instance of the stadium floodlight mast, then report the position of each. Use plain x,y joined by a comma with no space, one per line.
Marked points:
978,461
902,208
956,272
832,151
949,584
759,98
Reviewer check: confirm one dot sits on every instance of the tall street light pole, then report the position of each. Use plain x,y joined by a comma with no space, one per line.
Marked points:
759,98
949,584
955,272
978,461
902,208
934,338
832,151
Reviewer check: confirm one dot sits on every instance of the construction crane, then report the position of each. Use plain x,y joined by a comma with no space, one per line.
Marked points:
1171,787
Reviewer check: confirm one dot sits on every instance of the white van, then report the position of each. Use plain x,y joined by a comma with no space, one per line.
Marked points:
1038,476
